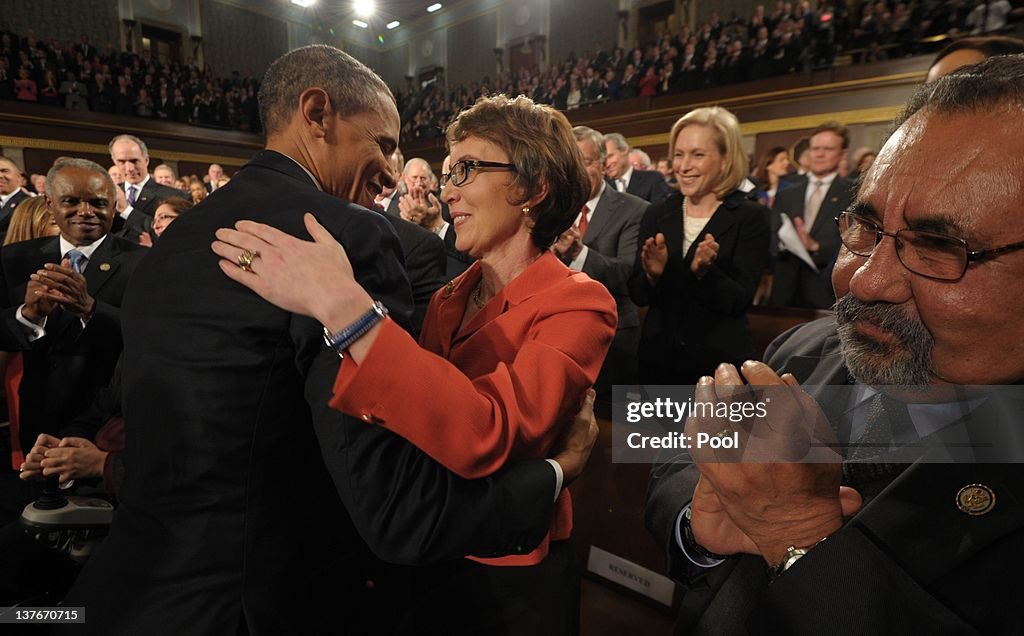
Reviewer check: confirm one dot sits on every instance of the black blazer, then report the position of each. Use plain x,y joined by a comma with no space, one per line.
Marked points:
694,325
921,565
141,217
249,503
649,185
65,368
425,263
795,283
8,210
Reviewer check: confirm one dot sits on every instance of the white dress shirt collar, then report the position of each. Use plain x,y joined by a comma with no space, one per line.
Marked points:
86,250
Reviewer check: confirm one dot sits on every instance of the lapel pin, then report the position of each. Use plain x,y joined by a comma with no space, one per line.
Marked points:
975,499
104,267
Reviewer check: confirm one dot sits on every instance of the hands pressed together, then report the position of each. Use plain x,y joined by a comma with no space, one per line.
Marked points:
68,458
780,487
419,205
57,286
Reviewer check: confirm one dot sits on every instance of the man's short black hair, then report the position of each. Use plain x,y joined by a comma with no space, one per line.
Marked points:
988,45
351,86
992,83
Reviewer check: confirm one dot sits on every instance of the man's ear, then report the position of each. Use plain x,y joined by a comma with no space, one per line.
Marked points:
315,107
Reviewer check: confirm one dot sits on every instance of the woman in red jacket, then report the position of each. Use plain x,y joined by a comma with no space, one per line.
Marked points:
507,350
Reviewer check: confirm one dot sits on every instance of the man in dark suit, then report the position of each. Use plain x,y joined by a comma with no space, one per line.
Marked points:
812,206
11,193
646,184
236,463
142,193
65,319
605,251
423,207
905,545
425,264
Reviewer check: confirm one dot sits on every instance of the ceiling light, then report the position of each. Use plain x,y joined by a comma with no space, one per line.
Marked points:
393,25
434,7
360,24
304,3
364,8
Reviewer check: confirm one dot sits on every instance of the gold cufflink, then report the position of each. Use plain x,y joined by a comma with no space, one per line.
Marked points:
975,499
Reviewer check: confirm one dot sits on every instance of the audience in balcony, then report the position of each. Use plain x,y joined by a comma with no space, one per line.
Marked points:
793,37
123,83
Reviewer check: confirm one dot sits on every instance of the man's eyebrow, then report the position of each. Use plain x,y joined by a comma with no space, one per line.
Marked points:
936,223
864,210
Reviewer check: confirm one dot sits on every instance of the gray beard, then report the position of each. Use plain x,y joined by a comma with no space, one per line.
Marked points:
906,363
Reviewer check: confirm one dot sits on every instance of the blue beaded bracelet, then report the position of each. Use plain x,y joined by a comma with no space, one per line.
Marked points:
344,339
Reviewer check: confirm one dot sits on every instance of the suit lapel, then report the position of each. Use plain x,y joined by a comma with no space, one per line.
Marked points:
102,266
605,210
941,527
145,194
720,222
830,207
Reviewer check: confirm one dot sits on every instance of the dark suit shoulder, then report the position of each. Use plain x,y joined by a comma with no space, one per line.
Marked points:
628,203
411,234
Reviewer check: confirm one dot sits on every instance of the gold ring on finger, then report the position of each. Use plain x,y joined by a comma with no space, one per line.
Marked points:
246,258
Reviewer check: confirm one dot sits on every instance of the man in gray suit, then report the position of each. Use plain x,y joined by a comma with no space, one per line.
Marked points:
602,244
812,207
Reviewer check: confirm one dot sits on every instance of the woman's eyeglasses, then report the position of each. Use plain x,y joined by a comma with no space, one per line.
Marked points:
461,170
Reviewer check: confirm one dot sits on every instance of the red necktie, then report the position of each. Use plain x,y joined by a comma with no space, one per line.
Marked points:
583,221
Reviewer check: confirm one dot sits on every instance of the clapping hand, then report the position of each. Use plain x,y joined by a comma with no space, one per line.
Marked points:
805,237
67,288
654,257
784,456
704,257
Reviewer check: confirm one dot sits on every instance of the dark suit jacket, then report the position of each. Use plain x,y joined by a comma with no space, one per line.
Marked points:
248,502
611,242
141,217
8,210
694,325
425,263
908,563
65,368
649,185
796,284
456,262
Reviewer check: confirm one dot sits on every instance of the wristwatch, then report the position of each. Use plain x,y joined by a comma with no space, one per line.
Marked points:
792,555
691,541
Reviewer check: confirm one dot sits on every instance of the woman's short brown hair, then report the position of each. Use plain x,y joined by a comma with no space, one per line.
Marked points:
539,142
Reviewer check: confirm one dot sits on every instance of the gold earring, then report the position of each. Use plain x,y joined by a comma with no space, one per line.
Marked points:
526,211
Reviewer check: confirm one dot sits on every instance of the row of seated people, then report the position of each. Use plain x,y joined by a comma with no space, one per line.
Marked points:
792,38
79,77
